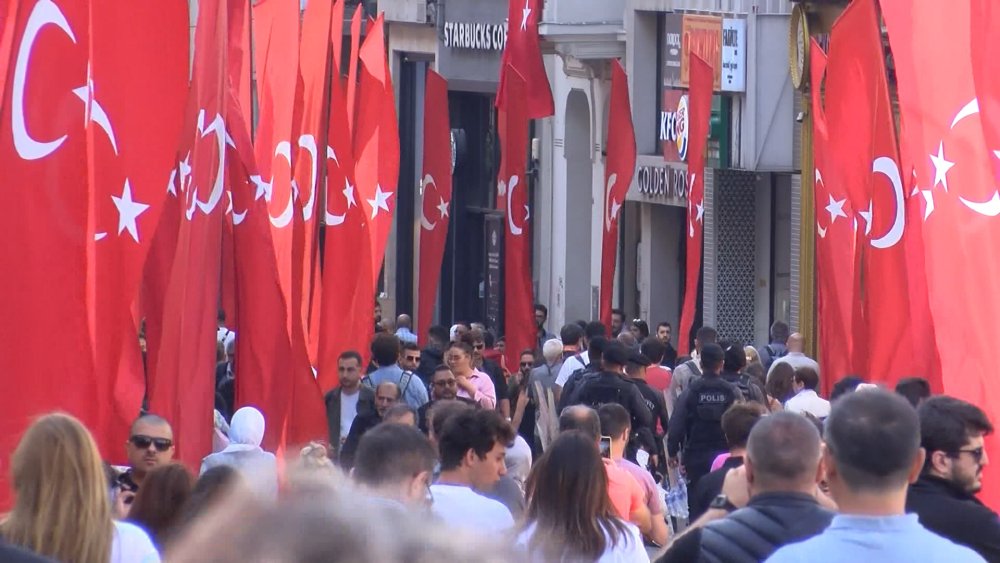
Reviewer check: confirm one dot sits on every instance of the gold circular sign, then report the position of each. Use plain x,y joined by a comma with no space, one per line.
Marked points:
798,47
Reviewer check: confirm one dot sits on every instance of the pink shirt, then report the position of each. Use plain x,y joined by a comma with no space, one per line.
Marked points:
649,489
486,393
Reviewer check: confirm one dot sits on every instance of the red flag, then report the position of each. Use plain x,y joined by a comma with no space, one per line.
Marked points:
182,390
865,154
135,98
239,56
264,352
512,200
941,92
314,58
618,171
347,320
523,52
435,196
376,142
337,37
699,113
44,294
835,245
276,26
352,69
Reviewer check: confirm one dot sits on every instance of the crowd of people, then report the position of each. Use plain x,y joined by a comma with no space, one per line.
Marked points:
576,453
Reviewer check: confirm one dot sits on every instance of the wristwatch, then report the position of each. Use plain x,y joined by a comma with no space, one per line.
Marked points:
721,502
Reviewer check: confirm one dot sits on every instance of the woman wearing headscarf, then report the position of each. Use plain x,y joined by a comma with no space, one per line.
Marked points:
244,452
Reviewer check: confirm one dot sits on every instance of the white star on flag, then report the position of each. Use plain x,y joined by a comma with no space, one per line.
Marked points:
525,14
929,200
128,211
381,201
349,194
615,207
443,207
527,213
941,167
836,209
701,212
867,216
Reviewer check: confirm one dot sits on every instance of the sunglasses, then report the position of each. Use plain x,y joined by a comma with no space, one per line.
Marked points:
479,346
977,454
527,364
143,442
446,383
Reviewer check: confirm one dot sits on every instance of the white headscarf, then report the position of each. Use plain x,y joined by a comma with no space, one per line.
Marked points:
246,430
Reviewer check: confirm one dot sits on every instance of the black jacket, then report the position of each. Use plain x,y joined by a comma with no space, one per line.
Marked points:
697,418
753,533
362,424
430,358
608,387
709,487
953,513
366,405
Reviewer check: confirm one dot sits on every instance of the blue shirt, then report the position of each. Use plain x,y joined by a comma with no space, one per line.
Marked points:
415,394
406,335
885,539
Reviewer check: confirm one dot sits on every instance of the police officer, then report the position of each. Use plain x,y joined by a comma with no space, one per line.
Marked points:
697,418
610,386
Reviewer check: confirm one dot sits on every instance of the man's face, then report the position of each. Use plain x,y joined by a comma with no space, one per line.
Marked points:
485,472
967,465
616,322
349,370
458,361
150,445
635,332
385,398
540,317
663,334
378,313
527,362
409,360
477,349
444,386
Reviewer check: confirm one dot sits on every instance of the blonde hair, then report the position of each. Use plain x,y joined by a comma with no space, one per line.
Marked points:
63,509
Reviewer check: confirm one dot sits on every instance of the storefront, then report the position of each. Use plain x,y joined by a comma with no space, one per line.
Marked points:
749,197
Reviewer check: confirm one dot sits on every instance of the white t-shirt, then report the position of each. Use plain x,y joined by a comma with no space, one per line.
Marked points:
224,336
348,411
808,401
461,507
131,544
570,365
629,549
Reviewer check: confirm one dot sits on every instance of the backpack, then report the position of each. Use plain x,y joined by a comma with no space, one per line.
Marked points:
694,367
773,355
596,393
404,383
751,392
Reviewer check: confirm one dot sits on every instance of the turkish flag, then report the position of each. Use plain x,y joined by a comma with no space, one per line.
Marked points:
276,32
865,154
951,145
44,254
699,114
376,142
618,171
512,200
435,196
352,69
239,56
835,244
523,52
135,99
264,353
347,319
182,390
314,59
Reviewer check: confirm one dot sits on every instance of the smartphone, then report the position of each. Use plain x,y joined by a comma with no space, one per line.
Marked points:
606,446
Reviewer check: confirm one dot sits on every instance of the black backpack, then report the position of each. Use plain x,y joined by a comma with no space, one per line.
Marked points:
751,392
596,393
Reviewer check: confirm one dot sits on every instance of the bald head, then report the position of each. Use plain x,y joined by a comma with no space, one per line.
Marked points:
579,417
404,321
796,342
150,420
783,453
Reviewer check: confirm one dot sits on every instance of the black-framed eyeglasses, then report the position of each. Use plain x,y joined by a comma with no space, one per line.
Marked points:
976,453
143,442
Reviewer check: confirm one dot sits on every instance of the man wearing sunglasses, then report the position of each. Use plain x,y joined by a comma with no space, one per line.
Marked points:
952,432
150,444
